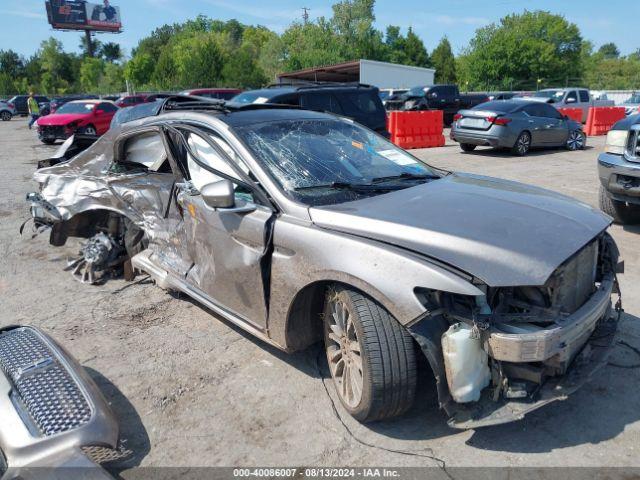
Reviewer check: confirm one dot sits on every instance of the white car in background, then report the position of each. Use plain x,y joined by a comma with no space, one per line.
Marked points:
7,111
632,104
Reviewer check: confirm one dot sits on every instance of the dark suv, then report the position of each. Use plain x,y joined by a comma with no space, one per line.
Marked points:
20,103
357,101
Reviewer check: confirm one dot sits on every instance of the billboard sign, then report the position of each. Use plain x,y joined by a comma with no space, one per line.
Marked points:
82,15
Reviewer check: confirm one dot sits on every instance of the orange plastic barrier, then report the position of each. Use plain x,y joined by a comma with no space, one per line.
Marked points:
601,119
572,113
419,129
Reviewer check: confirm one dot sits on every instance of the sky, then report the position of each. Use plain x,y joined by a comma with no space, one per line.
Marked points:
24,23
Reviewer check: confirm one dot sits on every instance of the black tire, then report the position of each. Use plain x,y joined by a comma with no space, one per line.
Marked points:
577,140
48,141
5,115
87,128
468,147
522,145
386,352
620,211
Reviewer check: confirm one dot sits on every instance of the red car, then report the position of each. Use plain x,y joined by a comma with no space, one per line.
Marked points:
132,100
219,93
92,117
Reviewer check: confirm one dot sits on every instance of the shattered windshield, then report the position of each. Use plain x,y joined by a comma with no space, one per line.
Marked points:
332,160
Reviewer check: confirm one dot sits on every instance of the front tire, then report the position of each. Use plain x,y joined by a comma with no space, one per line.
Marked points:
576,141
620,211
370,355
522,145
48,141
89,130
467,147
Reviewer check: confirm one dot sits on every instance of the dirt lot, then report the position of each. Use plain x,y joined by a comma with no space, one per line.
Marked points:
190,389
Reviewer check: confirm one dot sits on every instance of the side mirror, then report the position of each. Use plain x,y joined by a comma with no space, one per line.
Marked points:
219,194
570,100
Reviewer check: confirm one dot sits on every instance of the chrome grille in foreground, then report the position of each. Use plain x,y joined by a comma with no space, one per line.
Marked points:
632,150
49,394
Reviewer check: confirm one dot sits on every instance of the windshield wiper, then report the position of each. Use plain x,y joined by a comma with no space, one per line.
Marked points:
405,176
344,186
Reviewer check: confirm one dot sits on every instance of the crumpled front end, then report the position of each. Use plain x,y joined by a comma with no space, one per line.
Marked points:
535,345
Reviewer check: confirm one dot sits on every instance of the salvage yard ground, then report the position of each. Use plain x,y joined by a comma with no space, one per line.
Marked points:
192,390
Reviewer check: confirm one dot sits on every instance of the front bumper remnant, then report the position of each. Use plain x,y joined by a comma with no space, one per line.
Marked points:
586,364
50,409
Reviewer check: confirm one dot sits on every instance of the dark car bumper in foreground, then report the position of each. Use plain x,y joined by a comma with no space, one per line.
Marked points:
50,409
620,177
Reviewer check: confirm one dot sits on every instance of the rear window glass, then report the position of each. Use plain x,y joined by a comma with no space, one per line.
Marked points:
584,96
359,102
497,106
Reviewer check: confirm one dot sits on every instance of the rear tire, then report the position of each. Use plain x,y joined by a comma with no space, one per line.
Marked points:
522,145
620,211
467,147
369,349
6,116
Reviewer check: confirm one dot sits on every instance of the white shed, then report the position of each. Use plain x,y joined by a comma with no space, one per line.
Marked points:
371,72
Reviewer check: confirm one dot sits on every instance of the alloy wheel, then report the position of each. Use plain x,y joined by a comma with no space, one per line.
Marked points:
6,116
344,354
575,141
523,144
90,130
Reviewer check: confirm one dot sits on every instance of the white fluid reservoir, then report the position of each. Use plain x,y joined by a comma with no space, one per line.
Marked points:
466,364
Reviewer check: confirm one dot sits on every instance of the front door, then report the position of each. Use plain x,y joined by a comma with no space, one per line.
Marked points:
227,245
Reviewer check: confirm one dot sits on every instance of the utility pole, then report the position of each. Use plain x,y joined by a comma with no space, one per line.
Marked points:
305,15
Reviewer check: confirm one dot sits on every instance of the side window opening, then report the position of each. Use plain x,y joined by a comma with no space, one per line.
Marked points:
145,151
584,96
208,155
572,95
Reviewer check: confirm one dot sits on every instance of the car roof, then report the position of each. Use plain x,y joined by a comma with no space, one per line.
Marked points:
242,118
92,100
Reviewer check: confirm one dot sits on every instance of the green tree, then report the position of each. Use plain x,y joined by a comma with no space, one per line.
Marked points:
198,62
521,49
415,51
84,46
139,69
609,50
91,71
242,70
59,70
444,62
111,52
112,80
165,73
11,63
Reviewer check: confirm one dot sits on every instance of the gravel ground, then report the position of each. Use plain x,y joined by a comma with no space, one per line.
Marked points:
190,389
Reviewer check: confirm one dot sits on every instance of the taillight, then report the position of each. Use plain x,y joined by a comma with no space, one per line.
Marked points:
457,116
11,105
500,121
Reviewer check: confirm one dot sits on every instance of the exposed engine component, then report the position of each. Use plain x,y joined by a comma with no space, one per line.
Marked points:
100,253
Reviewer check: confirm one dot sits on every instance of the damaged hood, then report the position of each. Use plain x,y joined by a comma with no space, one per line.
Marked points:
504,233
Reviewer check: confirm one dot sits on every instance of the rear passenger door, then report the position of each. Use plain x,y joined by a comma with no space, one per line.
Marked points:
555,126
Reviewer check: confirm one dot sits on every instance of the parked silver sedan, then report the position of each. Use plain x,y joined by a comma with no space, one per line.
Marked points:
515,124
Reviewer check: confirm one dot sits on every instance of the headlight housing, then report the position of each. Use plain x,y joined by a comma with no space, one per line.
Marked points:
616,141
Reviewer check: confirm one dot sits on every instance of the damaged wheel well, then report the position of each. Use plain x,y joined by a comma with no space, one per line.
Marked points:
90,222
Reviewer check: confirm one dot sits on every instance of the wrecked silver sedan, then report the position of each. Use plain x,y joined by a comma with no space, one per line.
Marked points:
300,226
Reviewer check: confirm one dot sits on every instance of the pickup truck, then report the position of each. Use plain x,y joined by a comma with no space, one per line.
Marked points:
570,98
436,97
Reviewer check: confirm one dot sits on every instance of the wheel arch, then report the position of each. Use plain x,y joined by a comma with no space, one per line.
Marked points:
303,325
84,223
